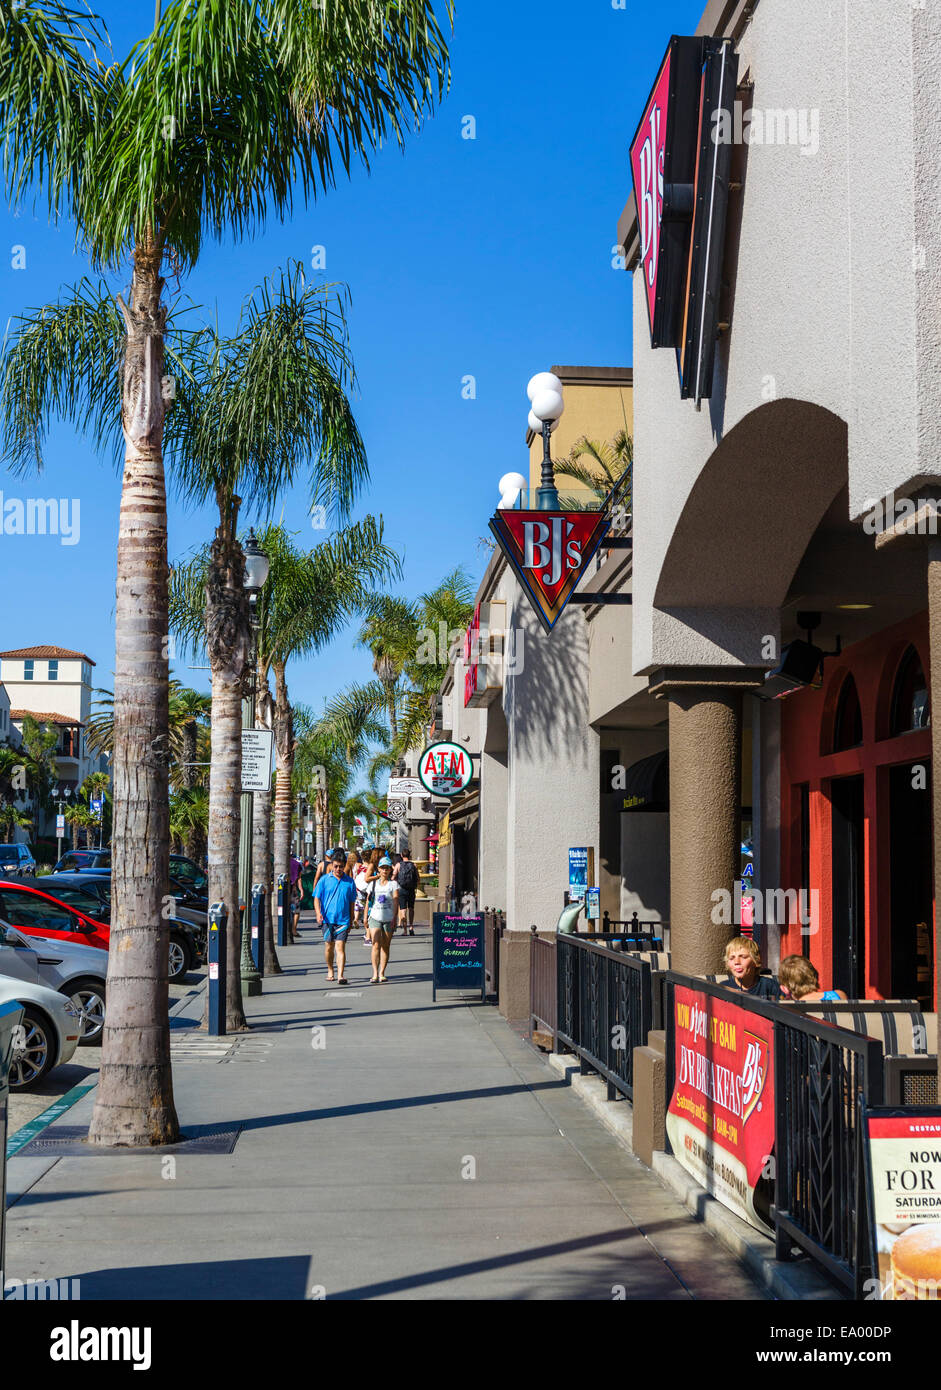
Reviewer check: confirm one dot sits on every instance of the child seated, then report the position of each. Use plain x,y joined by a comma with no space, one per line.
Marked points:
799,980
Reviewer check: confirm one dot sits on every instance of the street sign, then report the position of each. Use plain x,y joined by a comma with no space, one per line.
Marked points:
60,827
256,759
404,786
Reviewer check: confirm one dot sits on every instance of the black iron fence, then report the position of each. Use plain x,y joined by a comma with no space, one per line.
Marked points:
604,1008
642,935
543,990
817,1172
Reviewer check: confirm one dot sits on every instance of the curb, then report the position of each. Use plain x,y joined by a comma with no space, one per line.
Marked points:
797,1281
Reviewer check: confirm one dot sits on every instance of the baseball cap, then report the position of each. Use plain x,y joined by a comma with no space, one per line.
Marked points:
386,860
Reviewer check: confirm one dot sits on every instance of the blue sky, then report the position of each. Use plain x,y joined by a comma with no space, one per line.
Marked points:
488,257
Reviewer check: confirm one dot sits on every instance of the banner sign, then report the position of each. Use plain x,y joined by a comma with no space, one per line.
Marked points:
581,871
404,786
904,1179
549,552
445,769
256,759
663,167
720,1121
457,953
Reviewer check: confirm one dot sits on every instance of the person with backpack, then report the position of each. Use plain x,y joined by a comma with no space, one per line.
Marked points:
408,879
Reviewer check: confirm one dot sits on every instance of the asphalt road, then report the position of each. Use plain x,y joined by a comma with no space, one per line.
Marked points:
83,1067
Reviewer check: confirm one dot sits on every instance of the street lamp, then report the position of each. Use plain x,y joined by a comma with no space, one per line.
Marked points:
545,397
257,567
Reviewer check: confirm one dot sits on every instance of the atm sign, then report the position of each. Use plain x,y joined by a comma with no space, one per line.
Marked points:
445,769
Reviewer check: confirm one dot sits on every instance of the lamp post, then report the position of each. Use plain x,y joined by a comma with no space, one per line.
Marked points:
257,566
545,397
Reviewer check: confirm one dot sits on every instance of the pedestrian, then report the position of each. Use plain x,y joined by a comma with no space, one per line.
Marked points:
295,896
408,879
334,898
382,920
371,867
743,963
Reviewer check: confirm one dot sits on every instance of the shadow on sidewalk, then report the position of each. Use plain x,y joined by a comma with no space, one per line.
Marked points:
283,1277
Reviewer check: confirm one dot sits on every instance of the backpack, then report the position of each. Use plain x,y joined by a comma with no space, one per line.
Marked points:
408,875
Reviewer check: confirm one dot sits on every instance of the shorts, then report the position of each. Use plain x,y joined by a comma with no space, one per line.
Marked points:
331,932
406,898
387,927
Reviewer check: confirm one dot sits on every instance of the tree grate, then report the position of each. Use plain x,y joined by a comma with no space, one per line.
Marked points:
70,1141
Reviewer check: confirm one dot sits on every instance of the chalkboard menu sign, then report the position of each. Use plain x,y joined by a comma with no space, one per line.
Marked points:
457,953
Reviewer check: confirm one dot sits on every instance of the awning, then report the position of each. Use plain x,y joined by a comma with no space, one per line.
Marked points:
647,784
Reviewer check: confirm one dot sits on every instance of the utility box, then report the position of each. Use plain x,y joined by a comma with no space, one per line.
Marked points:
11,1017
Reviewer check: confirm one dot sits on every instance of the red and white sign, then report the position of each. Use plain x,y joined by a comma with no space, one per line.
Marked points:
549,552
647,158
720,1120
445,769
484,650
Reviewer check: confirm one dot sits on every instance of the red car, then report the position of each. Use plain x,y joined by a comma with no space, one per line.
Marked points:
63,916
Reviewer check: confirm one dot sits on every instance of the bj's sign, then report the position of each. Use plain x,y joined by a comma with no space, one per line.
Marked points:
549,552
681,180
720,1121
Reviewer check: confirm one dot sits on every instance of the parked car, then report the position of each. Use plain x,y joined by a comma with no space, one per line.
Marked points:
70,967
38,910
188,904
75,860
51,1031
16,860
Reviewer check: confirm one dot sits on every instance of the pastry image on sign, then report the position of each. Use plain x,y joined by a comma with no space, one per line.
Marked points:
904,1150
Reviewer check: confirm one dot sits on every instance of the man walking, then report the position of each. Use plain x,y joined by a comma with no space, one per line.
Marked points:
295,894
408,879
334,899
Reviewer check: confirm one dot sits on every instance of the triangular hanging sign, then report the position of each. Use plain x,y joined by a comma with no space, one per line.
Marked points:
549,552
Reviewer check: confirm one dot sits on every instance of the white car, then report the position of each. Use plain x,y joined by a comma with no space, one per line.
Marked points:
49,1034
73,968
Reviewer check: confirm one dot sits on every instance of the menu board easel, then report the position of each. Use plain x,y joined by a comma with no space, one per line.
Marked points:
457,953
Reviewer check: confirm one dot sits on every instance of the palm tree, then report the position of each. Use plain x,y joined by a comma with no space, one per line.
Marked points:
189,820
598,467
444,613
258,408
189,709
218,114
13,788
390,631
309,598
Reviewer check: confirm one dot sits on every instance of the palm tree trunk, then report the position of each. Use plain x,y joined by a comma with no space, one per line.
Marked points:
189,754
227,641
261,832
134,1102
284,760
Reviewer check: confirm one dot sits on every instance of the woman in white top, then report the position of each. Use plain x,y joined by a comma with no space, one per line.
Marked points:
381,922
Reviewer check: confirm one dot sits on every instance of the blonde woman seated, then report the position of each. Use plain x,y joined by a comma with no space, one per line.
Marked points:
381,920
799,980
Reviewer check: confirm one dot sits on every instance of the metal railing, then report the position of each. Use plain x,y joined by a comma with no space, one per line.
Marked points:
543,986
494,927
604,1008
820,1072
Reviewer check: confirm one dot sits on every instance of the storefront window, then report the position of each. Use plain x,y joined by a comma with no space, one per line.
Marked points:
848,726
910,705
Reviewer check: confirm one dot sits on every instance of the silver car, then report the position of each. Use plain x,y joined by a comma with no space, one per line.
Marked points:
72,968
48,1036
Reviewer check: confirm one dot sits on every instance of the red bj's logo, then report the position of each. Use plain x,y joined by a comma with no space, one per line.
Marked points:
549,552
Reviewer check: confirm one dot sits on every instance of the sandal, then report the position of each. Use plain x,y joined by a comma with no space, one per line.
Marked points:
343,982
383,979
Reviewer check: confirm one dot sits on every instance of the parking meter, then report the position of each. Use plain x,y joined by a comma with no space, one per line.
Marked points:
282,915
11,1018
215,959
258,926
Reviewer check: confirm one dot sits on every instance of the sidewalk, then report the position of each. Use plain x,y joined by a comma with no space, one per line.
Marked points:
424,1151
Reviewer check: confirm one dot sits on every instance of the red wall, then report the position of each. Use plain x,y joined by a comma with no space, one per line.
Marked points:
806,728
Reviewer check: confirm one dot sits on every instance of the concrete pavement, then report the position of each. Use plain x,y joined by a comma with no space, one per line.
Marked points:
389,1148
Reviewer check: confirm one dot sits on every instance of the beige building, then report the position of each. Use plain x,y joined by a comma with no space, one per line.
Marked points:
599,402
54,686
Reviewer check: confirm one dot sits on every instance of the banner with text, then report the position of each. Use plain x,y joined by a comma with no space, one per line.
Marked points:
721,1116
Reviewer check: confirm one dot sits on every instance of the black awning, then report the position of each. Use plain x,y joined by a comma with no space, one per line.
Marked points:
647,784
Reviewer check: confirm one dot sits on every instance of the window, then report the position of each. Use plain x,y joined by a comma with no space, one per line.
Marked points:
53,670
28,669
31,912
848,725
911,707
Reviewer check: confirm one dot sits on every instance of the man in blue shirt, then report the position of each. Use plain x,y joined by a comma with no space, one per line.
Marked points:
334,898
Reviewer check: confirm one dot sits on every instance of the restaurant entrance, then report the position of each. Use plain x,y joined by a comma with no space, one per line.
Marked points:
911,878
848,859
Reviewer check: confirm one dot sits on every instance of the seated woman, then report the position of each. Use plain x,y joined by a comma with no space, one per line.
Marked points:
799,980
743,963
